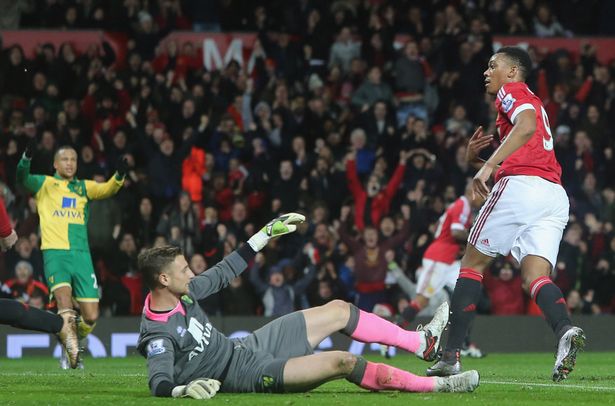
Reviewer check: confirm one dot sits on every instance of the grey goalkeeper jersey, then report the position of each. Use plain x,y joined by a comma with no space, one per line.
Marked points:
182,345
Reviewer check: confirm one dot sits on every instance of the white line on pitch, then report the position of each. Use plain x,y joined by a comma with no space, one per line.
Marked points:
550,385
66,374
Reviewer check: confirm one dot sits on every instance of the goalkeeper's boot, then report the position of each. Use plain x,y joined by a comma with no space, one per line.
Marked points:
464,382
448,365
571,342
428,350
68,339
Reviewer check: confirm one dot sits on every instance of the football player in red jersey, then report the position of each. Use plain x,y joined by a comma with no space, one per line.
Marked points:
525,213
440,267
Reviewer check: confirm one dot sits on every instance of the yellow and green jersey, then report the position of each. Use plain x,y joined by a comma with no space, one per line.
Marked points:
63,205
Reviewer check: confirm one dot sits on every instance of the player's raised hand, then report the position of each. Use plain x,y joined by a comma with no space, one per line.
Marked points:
286,223
478,141
479,183
30,148
122,166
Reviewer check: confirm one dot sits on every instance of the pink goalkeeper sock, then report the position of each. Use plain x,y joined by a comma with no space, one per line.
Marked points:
374,329
385,377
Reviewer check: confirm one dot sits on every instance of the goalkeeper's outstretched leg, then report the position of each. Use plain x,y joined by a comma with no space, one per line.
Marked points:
305,373
366,327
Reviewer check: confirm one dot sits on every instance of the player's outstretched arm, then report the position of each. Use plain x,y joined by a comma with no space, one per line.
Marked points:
220,275
32,183
98,191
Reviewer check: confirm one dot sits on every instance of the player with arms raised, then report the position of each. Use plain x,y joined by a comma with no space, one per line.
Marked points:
525,213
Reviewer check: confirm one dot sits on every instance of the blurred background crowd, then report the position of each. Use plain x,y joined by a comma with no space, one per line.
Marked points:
332,119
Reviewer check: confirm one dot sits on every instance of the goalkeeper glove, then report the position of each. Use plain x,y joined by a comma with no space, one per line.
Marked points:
30,148
122,166
286,223
198,389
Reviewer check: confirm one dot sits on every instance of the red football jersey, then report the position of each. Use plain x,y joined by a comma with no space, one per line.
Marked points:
457,217
536,157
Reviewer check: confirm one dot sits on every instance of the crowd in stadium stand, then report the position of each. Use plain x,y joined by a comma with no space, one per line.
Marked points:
367,140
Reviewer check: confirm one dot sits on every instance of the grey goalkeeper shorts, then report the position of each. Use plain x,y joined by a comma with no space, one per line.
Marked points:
259,359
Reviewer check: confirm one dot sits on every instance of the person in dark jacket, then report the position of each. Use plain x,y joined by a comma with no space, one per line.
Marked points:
277,295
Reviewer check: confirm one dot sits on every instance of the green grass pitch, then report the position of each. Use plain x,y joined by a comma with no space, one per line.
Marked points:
520,379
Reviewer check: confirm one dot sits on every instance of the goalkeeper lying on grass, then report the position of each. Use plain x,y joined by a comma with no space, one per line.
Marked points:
188,357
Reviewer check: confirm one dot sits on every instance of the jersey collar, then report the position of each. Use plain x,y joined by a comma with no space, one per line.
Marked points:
161,317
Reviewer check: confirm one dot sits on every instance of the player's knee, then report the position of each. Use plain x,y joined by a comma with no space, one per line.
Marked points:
530,275
475,259
340,309
91,317
525,284
346,362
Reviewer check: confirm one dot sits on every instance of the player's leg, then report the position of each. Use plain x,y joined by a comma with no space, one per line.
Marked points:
305,373
536,250
535,272
89,316
366,327
430,281
86,292
23,316
70,357
493,232
463,309
20,315
418,303
58,275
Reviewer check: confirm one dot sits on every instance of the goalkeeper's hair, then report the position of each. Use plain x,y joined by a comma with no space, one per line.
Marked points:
152,261
519,57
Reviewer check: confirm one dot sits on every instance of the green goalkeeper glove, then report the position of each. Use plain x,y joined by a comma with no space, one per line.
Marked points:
198,389
286,223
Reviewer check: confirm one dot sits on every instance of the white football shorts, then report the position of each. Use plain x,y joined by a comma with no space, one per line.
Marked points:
434,276
523,215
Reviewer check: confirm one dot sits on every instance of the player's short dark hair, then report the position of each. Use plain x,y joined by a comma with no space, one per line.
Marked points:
62,148
152,261
520,57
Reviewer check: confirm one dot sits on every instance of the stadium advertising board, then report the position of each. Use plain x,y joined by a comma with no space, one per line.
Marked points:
117,337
